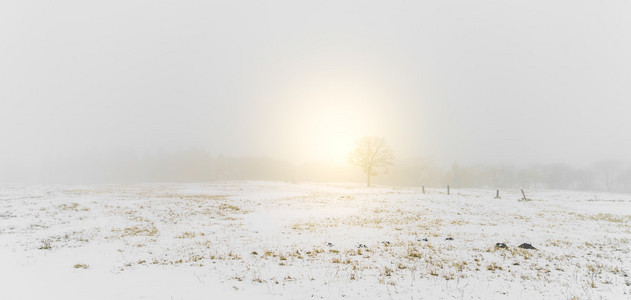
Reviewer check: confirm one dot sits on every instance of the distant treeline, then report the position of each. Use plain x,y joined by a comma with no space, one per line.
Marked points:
606,175
201,166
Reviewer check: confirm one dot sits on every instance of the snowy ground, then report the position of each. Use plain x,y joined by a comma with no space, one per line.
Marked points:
277,240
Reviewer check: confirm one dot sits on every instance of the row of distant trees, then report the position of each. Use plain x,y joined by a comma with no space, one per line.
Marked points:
374,155
606,175
201,166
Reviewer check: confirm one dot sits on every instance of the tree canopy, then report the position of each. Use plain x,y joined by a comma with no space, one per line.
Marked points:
373,155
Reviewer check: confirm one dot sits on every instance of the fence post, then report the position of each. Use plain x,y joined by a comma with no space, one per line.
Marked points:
447,189
497,194
523,194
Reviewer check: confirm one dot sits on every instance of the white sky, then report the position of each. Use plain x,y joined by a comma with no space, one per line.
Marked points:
466,81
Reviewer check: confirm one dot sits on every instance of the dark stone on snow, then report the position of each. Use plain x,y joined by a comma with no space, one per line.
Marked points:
329,244
501,245
449,239
527,246
362,246
386,243
422,240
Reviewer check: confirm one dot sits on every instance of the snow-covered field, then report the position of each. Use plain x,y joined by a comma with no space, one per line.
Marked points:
280,240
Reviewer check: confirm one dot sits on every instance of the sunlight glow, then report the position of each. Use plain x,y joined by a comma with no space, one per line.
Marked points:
329,111
334,133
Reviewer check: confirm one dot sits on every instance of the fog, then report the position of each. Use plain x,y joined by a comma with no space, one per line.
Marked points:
137,91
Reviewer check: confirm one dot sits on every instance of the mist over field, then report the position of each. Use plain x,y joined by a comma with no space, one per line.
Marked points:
535,92
200,166
244,149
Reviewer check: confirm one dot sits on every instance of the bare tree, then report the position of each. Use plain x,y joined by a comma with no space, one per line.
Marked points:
608,172
371,154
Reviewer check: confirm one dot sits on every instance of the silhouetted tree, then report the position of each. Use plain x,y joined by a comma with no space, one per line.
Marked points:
371,154
608,170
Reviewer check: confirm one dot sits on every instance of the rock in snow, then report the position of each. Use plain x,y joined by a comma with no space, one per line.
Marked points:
527,246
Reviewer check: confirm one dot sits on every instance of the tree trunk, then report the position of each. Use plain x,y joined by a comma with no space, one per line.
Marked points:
368,179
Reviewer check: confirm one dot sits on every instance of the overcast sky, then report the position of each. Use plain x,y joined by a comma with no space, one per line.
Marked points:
464,81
